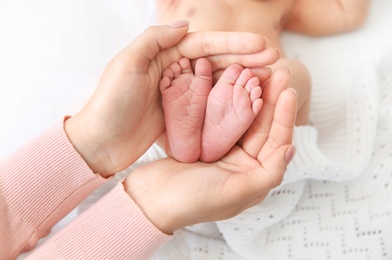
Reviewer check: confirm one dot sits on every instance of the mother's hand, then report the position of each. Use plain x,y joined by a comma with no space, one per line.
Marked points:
174,195
124,116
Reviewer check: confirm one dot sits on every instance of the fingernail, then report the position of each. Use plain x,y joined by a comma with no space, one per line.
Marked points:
292,90
278,53
179,24
288,157
287,69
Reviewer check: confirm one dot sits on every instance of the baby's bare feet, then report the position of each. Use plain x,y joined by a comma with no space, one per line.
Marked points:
184,100
232,106
202,123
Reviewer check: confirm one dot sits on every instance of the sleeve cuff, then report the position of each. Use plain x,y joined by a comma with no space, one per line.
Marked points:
113,228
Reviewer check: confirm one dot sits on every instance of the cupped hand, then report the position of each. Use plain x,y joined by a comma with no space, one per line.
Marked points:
174,195
124,116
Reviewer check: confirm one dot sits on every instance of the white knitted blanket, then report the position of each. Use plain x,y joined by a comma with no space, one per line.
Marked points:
335,202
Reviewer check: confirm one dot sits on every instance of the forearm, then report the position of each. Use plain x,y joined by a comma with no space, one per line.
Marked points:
113,228
39,184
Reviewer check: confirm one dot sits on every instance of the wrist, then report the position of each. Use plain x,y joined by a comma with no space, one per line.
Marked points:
91,152
160,216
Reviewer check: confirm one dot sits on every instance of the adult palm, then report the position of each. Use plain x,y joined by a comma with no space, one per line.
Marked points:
174,195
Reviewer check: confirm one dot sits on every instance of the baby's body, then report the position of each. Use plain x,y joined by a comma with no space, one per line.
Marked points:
262,17
269,18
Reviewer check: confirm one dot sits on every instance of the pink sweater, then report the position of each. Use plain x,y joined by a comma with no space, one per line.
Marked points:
42,182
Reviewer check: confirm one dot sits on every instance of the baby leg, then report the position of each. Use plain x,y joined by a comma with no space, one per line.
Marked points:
301,82
184,100
232,106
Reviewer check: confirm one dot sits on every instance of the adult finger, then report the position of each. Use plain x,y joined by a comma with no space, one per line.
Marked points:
262,179
274,167
282,128
257,134
260,59
202,44
154,39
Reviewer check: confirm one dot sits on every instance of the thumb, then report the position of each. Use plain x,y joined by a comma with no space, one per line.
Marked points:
275,165
257,183
270,175
154,39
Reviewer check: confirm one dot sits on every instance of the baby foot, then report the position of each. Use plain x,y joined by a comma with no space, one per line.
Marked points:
232,106
184,100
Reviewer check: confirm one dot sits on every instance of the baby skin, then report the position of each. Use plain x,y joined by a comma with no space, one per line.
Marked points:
270,18
204,122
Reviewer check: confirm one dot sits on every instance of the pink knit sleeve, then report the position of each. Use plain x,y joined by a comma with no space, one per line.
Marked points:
40,183
113,228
